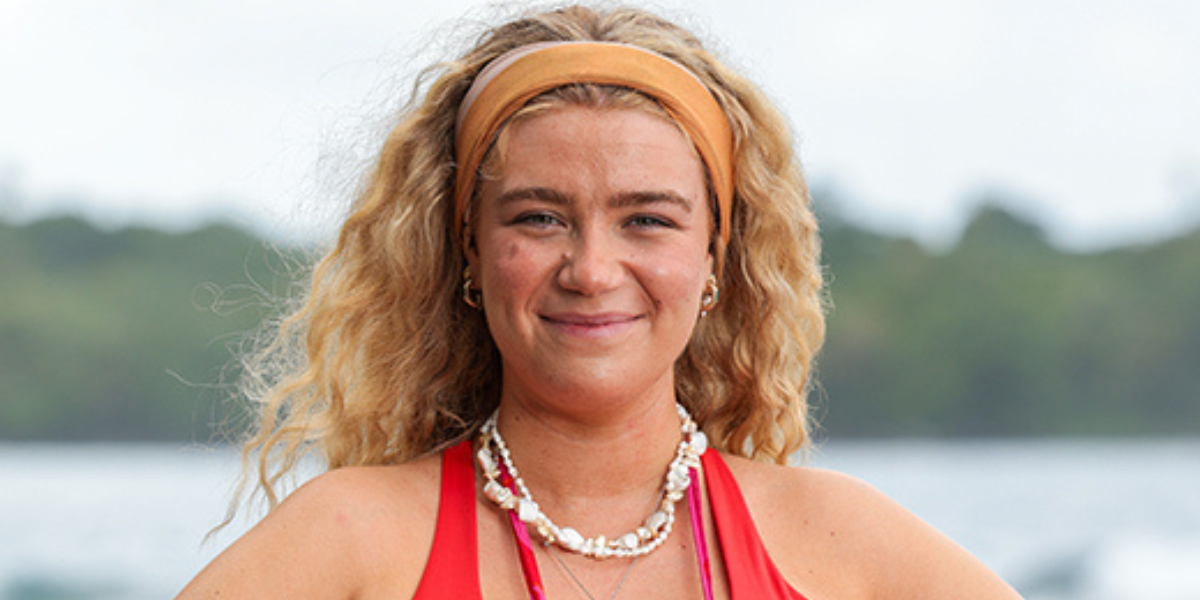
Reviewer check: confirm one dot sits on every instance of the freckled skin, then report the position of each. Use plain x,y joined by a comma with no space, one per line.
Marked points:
590,294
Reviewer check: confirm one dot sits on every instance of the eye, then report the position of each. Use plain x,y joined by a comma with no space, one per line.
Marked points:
650,222
537,219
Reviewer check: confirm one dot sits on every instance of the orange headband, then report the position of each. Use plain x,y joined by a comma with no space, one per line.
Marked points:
513,79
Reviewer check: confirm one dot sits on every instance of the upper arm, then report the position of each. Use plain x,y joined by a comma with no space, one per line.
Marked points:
906,557
327,540
300,546
835,536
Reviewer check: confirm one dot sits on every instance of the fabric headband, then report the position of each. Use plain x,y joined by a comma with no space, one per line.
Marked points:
516,77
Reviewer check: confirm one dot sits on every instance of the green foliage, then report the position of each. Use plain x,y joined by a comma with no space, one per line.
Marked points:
125,335
132,335
1005,335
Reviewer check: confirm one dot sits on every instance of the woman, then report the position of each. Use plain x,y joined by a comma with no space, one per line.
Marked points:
585,257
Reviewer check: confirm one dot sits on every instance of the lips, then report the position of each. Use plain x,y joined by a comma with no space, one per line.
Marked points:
591,324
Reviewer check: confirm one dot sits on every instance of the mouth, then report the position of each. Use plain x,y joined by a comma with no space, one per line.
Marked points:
591,325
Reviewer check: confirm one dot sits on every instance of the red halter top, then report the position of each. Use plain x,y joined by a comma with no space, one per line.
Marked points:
452,572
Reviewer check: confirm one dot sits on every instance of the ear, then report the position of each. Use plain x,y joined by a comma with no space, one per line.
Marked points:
470,249
712,262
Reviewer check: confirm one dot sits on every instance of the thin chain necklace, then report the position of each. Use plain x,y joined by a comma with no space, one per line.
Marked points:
552,552
650,535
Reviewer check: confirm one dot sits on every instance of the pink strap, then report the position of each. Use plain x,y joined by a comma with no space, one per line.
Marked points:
697,517
533,578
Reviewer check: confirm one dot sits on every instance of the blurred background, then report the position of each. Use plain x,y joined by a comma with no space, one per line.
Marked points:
1010,195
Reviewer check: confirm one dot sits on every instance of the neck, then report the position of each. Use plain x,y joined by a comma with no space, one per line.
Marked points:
600,470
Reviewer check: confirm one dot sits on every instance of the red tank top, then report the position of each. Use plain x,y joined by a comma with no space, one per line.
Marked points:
452,572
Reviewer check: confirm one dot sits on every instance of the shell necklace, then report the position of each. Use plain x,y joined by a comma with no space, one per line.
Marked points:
650,535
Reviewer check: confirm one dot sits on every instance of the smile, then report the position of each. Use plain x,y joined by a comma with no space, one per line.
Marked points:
591,325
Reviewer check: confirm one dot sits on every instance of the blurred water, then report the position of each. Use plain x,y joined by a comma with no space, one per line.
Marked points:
108,521
1061,520
1095,520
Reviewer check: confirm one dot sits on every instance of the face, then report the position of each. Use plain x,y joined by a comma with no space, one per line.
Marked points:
591,249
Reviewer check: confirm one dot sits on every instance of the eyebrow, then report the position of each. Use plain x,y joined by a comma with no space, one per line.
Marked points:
636,199
543,194
622,200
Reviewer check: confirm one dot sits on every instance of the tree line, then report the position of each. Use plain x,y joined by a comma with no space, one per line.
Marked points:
130,335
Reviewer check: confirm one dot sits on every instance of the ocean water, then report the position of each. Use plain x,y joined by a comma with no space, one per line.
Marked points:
1061,520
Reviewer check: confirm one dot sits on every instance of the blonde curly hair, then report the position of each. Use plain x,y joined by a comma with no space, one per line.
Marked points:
383,362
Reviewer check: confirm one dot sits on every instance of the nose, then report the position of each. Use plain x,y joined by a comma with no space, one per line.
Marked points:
592,264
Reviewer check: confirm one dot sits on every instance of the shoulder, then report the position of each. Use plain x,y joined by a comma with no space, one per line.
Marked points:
815,524
365,496
832,534
345,533
376,510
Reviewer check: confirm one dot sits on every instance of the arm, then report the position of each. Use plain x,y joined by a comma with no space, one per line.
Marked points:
906,558
833,536
343,535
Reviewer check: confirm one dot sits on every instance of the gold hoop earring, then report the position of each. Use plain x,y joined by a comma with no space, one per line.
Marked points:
712,295
471,296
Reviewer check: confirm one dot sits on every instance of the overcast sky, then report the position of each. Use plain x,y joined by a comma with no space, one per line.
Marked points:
1084,113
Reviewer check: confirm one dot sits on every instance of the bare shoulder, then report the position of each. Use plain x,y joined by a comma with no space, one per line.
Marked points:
350,532
833,535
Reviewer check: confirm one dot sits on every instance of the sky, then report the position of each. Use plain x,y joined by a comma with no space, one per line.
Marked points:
1082,115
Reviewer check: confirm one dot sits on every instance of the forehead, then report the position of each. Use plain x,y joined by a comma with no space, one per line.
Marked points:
610,143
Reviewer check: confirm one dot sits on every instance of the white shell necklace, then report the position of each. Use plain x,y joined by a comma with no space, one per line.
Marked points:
650,535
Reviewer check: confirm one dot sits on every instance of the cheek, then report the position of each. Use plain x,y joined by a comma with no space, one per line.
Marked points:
679,282
511,268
